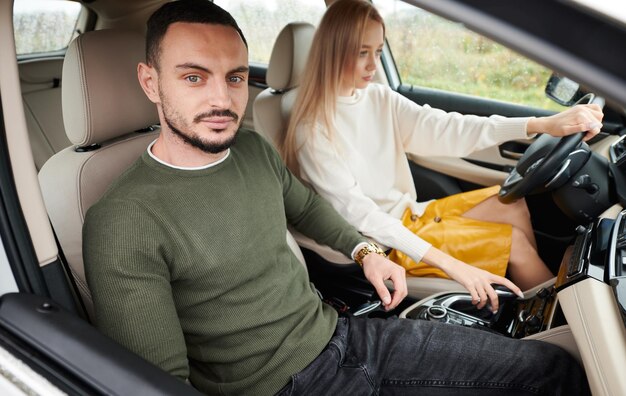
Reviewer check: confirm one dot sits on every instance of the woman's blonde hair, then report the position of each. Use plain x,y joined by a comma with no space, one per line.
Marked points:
335,48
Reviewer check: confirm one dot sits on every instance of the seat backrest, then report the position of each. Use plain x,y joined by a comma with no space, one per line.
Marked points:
106,116
272,107
40,81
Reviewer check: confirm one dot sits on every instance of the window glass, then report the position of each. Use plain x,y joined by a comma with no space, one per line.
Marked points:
433,52
262,20
44,25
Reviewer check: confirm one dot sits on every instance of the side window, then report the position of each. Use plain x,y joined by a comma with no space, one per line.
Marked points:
262,20
433,52
44,25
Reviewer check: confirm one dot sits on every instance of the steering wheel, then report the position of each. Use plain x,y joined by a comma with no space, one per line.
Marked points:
542,163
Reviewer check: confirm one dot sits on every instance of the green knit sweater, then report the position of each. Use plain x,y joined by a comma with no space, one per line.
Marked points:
191,270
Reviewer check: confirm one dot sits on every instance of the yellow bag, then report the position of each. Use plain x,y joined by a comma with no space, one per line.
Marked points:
481,244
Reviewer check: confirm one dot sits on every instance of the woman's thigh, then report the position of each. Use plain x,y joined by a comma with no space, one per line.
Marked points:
492,210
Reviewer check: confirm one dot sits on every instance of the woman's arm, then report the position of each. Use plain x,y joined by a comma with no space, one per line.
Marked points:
573,120
427,131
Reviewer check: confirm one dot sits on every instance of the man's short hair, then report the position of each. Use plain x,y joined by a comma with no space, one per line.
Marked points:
190,11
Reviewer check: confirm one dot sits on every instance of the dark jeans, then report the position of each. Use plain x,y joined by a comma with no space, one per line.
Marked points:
417,357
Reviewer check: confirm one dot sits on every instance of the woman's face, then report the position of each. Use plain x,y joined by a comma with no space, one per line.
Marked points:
365,65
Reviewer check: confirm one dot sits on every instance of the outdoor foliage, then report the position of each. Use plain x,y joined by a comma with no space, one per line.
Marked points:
261,21
432,52
37,31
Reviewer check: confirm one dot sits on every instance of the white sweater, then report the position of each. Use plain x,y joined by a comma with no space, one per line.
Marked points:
361,167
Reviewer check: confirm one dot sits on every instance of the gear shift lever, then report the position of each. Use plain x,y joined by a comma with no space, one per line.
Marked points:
504,294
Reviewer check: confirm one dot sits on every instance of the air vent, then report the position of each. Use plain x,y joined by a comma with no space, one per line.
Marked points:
618,151
620,250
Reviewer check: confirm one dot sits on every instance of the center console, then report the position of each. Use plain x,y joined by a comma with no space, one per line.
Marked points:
516,317
599,253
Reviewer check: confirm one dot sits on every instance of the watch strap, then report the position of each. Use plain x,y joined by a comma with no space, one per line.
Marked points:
367,249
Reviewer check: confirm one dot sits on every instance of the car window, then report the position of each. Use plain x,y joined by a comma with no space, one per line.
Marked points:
262,20
432,52
44,25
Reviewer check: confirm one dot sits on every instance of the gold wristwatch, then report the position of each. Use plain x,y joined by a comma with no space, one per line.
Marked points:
367,249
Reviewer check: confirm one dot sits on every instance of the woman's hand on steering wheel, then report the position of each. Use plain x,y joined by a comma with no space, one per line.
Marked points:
583,117
546,157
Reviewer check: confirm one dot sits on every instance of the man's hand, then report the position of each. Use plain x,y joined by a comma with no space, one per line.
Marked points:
377,270
579,118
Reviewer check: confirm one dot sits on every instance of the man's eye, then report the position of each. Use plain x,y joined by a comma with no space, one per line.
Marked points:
192,79
235,79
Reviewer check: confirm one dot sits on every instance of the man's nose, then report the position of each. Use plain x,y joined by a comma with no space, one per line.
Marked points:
219,94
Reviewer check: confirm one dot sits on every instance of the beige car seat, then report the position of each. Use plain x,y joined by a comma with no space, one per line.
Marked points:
272,107
271,111
40,82
109,121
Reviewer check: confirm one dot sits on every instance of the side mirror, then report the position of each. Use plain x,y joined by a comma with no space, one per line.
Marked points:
564,91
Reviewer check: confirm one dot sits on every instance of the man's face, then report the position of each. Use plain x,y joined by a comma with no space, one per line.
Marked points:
203,84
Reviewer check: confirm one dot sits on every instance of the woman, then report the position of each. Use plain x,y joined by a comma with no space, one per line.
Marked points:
348,138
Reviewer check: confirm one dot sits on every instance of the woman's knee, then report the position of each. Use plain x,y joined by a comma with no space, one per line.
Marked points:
520,246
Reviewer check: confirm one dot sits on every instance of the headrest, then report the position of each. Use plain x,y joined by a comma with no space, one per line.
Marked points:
102,98
289,55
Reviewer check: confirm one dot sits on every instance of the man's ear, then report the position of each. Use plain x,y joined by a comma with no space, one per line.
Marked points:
148,79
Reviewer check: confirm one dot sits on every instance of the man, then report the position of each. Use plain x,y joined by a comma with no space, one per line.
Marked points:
188,264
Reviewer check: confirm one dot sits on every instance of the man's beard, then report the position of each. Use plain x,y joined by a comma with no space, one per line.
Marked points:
194,140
